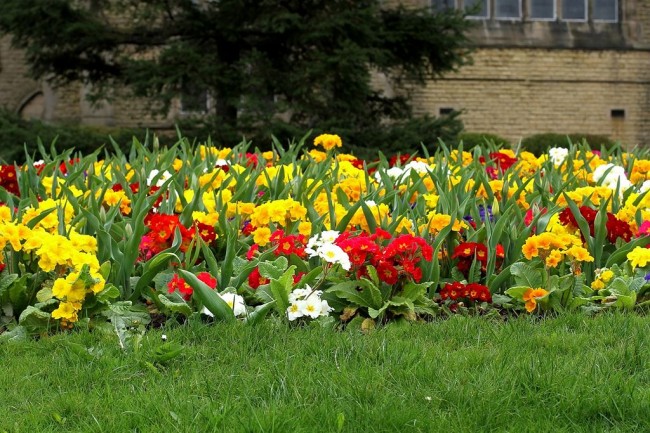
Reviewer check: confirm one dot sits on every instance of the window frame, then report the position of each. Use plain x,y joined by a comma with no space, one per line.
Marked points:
587,4
553,18
479,17
493,3
616,13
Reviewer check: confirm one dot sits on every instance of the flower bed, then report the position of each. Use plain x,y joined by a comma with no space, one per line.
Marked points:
311,235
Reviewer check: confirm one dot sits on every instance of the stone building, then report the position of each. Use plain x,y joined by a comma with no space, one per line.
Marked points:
540,66
561,66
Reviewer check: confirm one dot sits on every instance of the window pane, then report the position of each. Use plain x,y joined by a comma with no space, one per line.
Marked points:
574,10
605,10
482,5
542,9
441,5
507,9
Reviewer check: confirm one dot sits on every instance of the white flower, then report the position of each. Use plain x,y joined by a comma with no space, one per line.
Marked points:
311,307
329,236
294,311
334,254
325,308
417,166
644,187
299,294
612,176
165,175
558,155
234,301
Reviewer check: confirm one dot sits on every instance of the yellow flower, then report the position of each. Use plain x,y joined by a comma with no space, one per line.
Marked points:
639,257
554,258
597,285
438,221
262,236
328,141
579,254
304,228
67,311
530,298
530,248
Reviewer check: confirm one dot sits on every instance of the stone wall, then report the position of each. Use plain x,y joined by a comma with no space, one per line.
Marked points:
519,92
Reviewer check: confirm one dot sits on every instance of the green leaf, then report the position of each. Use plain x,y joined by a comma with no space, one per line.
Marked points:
280,289
274,269
208,297
34,320
180,307
526,275
517,292
6,280
260,312
152,268
166,352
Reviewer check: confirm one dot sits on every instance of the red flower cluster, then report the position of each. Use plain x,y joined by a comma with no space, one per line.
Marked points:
472,292
135,188
178,283
8,179
467,252
398,259
615,227
501,162
282,245
62,167
401,158
161,234
255,279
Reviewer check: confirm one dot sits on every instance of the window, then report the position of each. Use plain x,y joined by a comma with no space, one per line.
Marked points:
477,8
507,9
535,10
574,10
194,99
441,5
542,9
605,10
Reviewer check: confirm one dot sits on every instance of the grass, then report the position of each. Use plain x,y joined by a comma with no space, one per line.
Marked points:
568,374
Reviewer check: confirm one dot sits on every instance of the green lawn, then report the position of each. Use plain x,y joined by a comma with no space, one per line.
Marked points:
568,374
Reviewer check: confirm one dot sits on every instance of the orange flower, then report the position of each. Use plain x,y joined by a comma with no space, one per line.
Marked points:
530,248
530,297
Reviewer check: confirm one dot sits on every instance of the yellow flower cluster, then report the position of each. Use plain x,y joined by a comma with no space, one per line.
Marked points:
280,212
74,255
328,141
552,248
639,257
602,278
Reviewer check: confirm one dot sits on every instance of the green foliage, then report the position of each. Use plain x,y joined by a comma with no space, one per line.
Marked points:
541,143
470,140
271,65
18,136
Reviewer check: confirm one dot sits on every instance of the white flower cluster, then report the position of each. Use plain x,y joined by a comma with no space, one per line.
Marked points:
234,301
558,155
612,176
402,173
307,303
322,245
163,178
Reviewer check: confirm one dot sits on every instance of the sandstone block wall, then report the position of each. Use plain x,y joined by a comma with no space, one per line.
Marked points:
519,92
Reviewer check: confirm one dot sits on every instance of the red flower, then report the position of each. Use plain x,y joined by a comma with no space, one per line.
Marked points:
8,179
255,279
178,283
208,279
387,272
